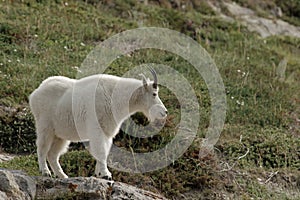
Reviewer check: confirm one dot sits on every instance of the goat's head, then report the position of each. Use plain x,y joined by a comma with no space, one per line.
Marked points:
153,106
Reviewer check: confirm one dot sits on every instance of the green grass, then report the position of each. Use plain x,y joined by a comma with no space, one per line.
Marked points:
39,39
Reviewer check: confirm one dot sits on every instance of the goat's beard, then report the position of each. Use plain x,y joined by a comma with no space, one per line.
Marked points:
149,117
155,120
156,115
151,120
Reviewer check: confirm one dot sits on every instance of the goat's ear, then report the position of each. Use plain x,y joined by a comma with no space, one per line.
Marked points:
145,81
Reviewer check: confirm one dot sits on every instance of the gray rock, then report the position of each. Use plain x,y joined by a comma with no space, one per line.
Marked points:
26,184
4,157
17,185
3,195
90,188
81,187
268,27
263,26
131,192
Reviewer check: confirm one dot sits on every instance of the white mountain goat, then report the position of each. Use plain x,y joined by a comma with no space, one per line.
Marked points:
64,110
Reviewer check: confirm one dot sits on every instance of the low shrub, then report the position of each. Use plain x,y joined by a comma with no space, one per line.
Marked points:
17,130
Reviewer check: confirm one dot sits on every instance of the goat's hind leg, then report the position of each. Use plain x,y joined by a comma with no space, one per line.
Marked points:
58,147
43,142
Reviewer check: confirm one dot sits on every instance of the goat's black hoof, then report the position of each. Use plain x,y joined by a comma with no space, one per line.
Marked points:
110,182
47,175
107,178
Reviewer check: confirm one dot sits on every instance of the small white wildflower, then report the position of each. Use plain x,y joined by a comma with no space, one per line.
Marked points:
95,61
9,61
248,58
77,69
232,97
35,35
18,60
66,4
259,179
1,64
239,71
243,74
15,50
240,102
82,44
65,47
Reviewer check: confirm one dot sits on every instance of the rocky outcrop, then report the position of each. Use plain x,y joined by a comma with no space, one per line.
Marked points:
263,26
17,185
6,157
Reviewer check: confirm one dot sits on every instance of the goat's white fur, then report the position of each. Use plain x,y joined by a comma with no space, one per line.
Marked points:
64,111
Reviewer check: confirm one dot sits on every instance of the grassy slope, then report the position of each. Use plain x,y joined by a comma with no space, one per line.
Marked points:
38,40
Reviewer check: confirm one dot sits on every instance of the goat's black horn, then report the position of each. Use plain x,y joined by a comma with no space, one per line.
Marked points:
153,72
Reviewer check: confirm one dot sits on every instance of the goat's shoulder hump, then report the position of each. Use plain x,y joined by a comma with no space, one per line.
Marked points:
59,79
101,77
57,82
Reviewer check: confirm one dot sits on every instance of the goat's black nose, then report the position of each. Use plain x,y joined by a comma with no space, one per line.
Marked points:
166,112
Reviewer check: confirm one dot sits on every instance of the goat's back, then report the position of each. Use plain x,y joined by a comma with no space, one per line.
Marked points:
46,96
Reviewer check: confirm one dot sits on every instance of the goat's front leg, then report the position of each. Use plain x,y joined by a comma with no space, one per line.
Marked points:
99,147
102,171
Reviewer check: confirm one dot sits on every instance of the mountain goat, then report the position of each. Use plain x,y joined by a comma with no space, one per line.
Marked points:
64,110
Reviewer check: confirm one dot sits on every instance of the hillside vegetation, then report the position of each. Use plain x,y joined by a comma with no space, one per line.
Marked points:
258,153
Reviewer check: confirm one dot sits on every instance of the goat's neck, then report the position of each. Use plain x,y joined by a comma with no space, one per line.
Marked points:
128,107
136,102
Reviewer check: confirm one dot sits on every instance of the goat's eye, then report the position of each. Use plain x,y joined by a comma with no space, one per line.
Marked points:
154,94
